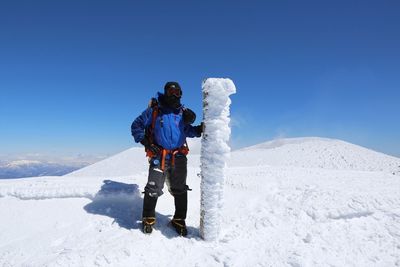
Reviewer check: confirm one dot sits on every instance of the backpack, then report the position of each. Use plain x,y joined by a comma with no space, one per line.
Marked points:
184,149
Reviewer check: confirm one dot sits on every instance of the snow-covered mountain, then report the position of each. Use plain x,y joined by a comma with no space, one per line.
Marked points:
288,202
313,152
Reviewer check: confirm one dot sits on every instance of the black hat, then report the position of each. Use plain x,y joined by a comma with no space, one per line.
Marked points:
171,85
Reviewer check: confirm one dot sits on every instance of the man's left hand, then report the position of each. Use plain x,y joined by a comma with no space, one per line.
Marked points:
199,128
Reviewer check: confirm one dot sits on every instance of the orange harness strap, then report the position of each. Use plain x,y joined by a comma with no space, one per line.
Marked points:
183,150
163,155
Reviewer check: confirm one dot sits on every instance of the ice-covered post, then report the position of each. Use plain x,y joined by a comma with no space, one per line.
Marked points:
214,153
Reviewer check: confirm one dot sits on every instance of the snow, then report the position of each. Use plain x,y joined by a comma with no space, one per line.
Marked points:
278,211
214,153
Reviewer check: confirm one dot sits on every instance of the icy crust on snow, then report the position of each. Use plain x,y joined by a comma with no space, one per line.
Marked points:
214,153
48,187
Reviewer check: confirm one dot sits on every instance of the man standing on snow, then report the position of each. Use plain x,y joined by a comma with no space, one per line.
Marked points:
162,129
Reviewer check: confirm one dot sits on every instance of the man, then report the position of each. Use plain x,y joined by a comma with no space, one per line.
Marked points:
162,129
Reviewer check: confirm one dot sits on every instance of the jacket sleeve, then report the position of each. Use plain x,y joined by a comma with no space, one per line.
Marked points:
191,131
140,124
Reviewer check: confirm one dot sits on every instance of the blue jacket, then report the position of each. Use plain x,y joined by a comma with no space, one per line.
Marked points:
169,132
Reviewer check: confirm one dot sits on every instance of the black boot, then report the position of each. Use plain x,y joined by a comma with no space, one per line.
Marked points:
149,213
178,222
147,224
179,225
149,206
180,205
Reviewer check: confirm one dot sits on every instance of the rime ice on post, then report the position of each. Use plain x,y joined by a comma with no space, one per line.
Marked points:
214,153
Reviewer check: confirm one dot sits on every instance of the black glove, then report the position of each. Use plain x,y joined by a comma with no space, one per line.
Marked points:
188,116
199,128
148,146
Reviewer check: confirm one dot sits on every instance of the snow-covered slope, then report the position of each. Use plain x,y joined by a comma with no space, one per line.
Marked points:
129,162
292,203
125,163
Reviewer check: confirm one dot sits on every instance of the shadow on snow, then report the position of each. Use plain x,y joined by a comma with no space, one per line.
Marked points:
123,202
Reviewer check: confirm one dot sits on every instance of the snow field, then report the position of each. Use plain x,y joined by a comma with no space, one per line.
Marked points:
273,215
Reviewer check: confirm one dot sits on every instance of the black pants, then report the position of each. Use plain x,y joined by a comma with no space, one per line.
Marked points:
175,177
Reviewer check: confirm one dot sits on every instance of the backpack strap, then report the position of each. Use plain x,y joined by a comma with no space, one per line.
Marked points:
154,105
149,131
153,119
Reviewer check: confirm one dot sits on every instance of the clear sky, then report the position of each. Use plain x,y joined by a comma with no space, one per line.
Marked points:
74,74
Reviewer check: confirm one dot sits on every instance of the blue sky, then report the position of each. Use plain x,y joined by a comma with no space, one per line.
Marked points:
74,74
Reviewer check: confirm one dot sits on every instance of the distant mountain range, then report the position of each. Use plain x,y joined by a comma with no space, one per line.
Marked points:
34,168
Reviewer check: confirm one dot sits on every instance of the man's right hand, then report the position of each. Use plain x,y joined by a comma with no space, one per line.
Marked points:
153,148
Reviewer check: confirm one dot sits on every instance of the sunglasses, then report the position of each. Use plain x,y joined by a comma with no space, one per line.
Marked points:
174,91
